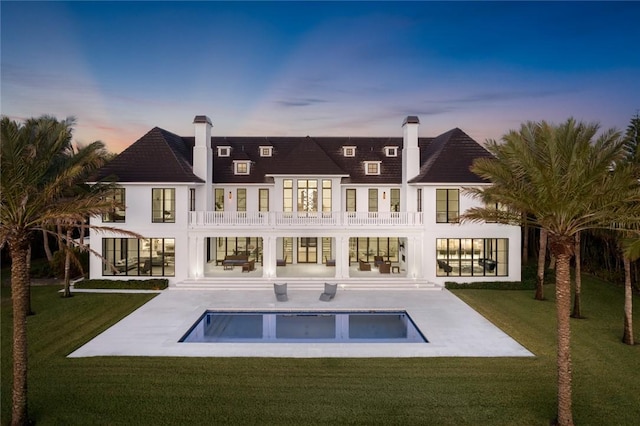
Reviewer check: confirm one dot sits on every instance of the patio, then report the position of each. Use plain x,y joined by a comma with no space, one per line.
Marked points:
452,328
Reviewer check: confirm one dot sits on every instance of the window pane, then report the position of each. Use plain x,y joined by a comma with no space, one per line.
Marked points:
287,196
373,200
118,212
163,204
395,200
351,200
326,195
263,200
472,257
219,196
241,199
134,257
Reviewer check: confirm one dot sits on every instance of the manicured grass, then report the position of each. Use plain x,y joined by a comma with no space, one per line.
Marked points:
442,391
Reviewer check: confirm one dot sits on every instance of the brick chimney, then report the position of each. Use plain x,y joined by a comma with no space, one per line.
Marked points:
203,161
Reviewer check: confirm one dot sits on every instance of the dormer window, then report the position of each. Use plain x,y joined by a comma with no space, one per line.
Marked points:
372,167
349,151
266,151
241,167
391,151
224,151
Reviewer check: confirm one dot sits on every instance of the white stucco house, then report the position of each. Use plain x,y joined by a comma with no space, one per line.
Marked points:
381,210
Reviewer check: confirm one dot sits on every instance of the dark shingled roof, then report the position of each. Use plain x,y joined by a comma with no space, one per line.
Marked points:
161,156
448,158
158,156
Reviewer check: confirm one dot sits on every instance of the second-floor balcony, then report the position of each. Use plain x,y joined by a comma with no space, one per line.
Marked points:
207,219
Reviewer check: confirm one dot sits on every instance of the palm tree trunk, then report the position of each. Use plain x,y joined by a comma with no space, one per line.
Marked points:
18,248
47,248
627,337
67,266
542,254
525,241
577,300
28,260
563,309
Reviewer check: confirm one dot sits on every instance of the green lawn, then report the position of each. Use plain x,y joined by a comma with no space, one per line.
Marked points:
439,391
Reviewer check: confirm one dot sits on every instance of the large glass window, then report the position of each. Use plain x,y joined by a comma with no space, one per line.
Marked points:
233,246
163,205
447,205
241,199
373,200
351,200
132,256
366,249
219,199
326,195
287,195
117,214
307,195
472,256
263,200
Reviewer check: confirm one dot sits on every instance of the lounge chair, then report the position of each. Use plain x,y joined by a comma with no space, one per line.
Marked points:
329,292
281,292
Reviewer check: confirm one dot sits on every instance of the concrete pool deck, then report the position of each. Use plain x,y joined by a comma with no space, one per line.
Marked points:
451,326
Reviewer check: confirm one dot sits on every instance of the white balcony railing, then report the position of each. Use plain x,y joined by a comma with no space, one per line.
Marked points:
284,219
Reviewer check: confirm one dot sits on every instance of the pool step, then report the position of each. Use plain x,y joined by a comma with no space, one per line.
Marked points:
306,285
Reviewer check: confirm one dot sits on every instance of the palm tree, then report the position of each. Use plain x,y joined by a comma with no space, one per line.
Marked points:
37,175
564,179
630,246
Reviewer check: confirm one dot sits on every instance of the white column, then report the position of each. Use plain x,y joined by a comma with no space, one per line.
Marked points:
269,256
342,257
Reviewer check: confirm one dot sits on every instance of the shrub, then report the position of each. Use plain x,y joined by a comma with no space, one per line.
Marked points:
493,285
150,284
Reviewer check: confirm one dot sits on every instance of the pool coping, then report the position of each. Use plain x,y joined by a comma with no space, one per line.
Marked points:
452,328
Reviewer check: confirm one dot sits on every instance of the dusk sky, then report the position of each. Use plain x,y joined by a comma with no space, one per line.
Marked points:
319,68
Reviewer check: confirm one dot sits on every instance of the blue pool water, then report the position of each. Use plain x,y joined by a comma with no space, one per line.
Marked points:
305,327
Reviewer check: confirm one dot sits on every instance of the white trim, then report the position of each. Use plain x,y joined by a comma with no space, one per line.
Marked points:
368,163
349,151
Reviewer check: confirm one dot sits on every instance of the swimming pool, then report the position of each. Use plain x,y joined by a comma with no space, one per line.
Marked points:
304,327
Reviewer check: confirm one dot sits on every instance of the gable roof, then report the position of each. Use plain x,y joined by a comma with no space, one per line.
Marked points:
162,156
158,156
448,158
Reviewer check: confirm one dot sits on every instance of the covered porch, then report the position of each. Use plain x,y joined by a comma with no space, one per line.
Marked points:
216,270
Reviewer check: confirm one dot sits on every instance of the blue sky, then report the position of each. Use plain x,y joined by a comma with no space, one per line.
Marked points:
319,68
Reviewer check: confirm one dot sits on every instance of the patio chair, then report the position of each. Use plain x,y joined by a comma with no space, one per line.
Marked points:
281,262
364,266
281,292
378,260
329,292
330,262
385,268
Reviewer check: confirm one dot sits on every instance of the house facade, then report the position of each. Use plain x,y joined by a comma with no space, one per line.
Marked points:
382,210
